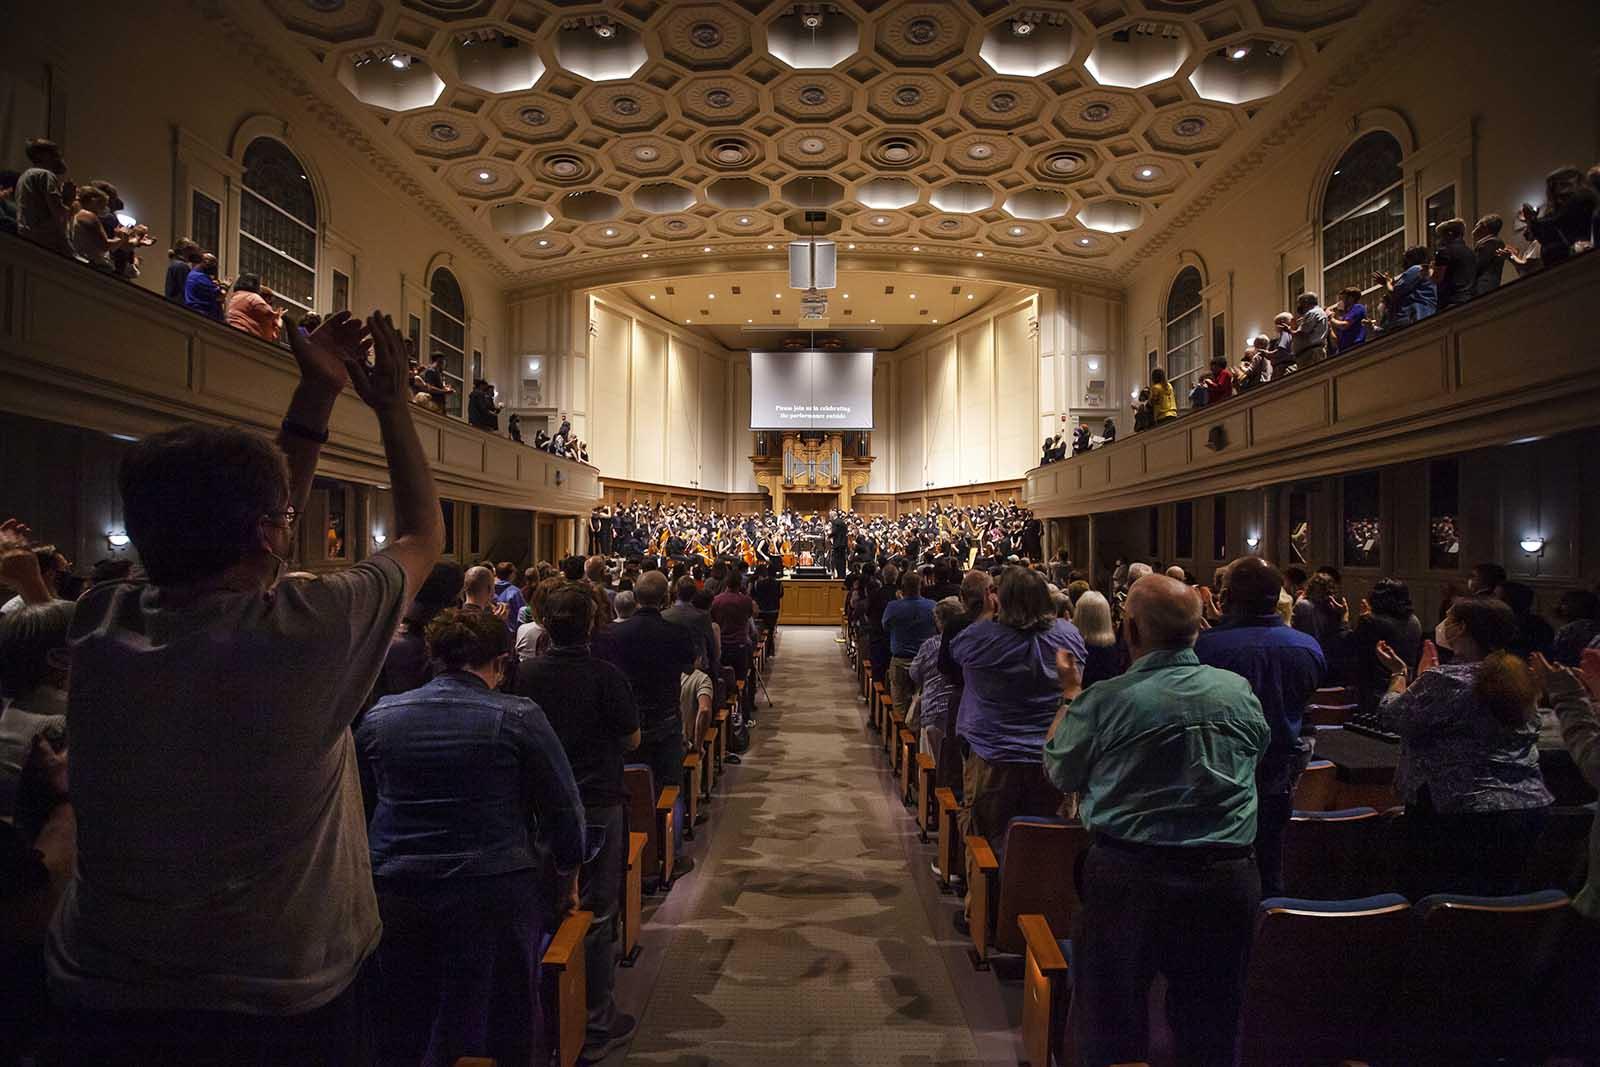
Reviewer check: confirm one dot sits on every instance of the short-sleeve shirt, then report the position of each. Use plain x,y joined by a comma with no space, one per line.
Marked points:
695,684
733,611
1313,330
590,704
251,313
222,840
35,219
1356,332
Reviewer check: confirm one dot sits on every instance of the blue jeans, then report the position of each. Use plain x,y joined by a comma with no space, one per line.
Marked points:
458,969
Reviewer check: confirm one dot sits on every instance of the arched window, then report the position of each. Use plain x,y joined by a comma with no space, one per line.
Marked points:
1363,215
447,332
278,223
1185,331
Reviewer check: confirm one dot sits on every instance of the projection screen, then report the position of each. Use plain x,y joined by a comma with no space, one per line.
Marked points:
811,390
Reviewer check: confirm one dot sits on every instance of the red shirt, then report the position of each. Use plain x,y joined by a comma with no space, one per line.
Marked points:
1221,387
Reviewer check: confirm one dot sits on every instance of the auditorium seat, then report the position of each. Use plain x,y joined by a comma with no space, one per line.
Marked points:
1560,860
691,794
1473,975
951,858
1046,990
1317,787
1334,695
566,1013
1037,876
927,813
654,812
1320,714
1331,855
633,897
1322,980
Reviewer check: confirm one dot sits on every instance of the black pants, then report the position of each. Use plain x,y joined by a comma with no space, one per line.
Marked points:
1161,911
769,626
333,1035
1272,821
1481,853
600,889
738,657
838,562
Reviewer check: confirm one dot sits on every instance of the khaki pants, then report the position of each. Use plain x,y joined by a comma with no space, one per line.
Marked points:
996,793
900,688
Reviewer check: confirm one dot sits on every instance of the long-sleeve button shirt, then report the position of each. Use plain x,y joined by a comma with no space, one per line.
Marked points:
1283,666
1165,754
466,780
935,688
1580,732
1453,746
200,293
1010,691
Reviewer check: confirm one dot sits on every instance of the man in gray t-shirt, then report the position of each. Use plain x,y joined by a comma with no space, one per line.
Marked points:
42,211
1310,339
223,865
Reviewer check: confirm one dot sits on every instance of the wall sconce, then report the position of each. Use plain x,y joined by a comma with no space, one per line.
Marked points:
117,539
379,537
1532,545
1253,541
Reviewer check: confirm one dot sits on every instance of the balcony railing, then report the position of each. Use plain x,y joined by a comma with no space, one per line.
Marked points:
1519,364
88,350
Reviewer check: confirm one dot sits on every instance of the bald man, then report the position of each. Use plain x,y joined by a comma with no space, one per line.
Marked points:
1164,758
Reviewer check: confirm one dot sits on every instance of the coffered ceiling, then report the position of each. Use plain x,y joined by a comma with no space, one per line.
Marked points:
868,309
570,138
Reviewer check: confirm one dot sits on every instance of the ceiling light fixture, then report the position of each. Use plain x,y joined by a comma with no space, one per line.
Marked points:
117,539
777,296
980,255
1238,52
1145,173
879,220
1532,545
913,295
744,220
398,62
771,247
970,296
644,255
1085,242
873,321
811,20
544,242
1252,541
916,248
604,30
711,296
687,321
485,176
846,296
652,296
707,248
1017,231
1094,364
851,247
1021,27
611,231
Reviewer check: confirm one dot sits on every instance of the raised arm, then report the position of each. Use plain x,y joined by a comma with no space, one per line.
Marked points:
321,357
418,527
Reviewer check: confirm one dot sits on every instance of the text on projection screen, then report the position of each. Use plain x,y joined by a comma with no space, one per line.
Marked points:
811,390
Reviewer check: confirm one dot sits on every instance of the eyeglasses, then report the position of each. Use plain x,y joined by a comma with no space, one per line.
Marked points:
286,517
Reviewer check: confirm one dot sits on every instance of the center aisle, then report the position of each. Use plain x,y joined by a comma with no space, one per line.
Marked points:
808,940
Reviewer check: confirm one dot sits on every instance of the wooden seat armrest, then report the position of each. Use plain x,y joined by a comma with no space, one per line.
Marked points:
982,855
1041,944
667,799
473,1061
925,763
946,798
710,736
567,945
906,736
692,760
722,715
636,843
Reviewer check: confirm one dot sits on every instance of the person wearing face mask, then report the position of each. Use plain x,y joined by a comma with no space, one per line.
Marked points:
223,908
1469,760
465,780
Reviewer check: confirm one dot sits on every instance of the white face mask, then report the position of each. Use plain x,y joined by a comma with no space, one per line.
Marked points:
1439,637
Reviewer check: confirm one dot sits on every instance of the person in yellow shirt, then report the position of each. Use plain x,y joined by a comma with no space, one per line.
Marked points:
1163,405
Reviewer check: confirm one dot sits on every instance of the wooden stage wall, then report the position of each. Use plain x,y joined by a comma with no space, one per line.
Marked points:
812,602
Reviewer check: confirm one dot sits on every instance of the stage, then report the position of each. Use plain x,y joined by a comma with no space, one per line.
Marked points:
812,602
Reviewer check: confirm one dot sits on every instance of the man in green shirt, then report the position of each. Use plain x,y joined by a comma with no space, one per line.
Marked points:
1164,758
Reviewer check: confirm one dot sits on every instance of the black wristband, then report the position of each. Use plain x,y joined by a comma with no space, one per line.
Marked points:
300,429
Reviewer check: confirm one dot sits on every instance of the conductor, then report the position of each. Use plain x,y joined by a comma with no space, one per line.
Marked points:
840,534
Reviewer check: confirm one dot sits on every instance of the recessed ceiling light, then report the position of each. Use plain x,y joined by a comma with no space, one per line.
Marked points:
846,296
770,247
707,248
397,62
1238,52
916,248
611,231
644,255
969,296
851,247
485,176
913,296
604,30
1094,364
711,296
1147,173
936,322
749,320
652,296
544,242
1018,231
880,220
980,255
874,321
1085,241
1021,27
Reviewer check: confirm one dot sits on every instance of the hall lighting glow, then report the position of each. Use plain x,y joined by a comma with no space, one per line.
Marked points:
916,248
644,255
1238,52
397,62
879,220
711,296
847,296
1532,545
485,176
126,219
379,537
1252,541
851,247
1094,364
610,232
770,247
707,248
1147,172
971,296
117,539
1085,242
544,242
652,296
980,255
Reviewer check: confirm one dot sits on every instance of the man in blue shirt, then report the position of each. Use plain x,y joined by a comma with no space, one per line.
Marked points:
1164,758
507,593
1284,668
908,621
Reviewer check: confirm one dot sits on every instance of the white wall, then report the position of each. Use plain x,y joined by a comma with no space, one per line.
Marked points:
1479,113
660,402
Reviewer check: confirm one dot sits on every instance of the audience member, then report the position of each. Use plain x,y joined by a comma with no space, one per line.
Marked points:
1469,761
908,621
1164,758
465,781
933,688
768,595
1455,267
200,289
625,604
247,308
1489,263
1010,692
33,680
1324,614
1163,404
1533,634
1566,220
85,233
707,654
181,259
1257,365
1284,668
224,906
1310,337
407,665
591,707
44,199
1104,655
1410,297
1386,618
733,610
654,654
1349,319
1579,612
1280,350
482,411
8,200
1220,383
508,593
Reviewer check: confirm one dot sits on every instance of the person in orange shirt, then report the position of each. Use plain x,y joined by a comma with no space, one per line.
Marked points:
247,309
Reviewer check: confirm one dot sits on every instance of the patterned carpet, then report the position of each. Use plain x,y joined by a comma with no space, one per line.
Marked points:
805,940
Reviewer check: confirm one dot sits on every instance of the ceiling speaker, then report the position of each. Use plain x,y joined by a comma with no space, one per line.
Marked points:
813,264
